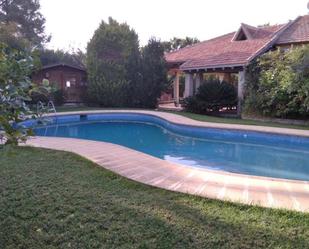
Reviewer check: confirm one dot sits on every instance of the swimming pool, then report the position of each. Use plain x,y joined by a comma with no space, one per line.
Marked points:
245,152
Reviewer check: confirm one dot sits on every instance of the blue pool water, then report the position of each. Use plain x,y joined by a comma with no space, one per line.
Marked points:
228,150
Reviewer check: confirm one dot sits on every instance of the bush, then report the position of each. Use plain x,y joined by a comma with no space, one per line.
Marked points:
212,96
58,97
16,90
277,84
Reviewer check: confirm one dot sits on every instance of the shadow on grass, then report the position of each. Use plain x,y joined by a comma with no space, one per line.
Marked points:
59,200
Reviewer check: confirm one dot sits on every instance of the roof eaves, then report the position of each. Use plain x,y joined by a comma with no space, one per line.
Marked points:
219,66
63,65
288,42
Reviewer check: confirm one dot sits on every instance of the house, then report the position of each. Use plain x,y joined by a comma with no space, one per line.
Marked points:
228,55
72,80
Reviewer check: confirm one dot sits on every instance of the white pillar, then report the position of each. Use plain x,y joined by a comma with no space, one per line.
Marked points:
198,81
188,85
240,90
176,89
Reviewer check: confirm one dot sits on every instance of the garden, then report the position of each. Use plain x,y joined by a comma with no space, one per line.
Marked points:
56,199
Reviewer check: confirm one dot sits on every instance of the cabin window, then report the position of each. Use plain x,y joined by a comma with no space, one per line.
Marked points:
71,82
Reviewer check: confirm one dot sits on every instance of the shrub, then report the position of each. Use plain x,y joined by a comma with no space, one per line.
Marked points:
212,96
58,97
15,90
277,84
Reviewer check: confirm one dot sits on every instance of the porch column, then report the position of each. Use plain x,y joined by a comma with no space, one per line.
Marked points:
176,89
188,85
240,90
198,81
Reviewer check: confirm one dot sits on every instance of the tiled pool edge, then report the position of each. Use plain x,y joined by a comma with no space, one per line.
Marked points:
181,120
267,192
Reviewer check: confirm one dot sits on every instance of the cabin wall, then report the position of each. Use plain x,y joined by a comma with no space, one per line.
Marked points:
59,76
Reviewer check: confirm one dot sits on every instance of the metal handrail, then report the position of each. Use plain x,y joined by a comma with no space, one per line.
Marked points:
49,108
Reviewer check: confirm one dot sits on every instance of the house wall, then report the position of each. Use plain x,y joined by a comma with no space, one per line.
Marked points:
58,76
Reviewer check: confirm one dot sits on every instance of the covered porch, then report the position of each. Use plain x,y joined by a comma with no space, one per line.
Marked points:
194,78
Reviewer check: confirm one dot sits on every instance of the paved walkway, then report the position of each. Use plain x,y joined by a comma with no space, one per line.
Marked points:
267,192
169,107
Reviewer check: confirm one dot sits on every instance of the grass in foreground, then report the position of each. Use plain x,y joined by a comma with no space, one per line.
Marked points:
52,199
199,117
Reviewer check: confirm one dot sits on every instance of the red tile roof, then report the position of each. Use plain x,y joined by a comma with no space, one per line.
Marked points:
297,32
225,51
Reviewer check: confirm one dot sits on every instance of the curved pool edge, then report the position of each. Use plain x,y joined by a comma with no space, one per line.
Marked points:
144,168
181,120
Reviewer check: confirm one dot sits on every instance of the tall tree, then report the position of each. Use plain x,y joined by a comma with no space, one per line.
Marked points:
9,35
154,74
178,43
26,17
111,53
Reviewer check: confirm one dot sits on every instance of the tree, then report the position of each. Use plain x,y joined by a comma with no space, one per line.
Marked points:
111,54
153,75
178,43
74,58
8,35
15,90
28,22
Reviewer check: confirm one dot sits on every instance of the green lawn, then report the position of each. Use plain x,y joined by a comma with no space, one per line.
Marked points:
198,117
54,199
206,118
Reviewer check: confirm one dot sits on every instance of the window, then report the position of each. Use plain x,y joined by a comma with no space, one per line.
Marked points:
71,82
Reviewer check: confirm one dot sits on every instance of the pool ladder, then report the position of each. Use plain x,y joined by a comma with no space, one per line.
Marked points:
49,108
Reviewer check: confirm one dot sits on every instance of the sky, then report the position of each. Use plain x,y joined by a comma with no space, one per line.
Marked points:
73,22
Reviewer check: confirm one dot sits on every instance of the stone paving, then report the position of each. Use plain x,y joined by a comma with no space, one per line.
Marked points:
263,191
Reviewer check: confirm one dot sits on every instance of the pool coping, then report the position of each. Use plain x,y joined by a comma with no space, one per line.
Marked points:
181,120
159,173
141,167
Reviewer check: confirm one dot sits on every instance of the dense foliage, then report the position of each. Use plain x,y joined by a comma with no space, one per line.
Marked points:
109,52
73,58
15,91
277,84
153,72
23,24
212,95
119,73
8,35
178,43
